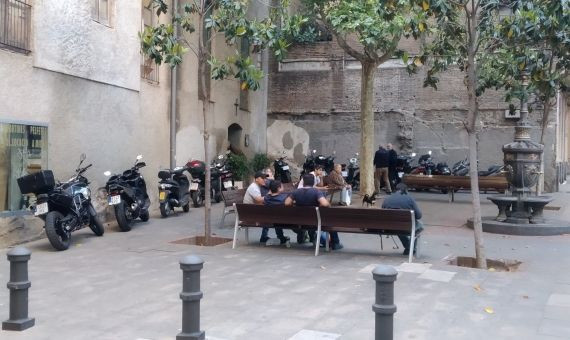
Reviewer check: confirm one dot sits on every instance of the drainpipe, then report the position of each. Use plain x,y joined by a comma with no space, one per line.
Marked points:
173,97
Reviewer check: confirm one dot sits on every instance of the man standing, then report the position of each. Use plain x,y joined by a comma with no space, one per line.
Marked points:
392,161
401,200
381,162
308,196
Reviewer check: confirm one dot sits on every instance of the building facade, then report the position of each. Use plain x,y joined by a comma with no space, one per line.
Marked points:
74,81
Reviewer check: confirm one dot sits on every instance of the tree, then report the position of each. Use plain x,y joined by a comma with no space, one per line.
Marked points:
466,39
535,38
370,31
211,19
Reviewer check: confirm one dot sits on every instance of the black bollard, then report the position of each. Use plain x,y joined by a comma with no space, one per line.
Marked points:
191,296
384,306
18,285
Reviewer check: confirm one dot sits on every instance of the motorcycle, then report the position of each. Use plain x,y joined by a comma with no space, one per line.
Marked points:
493,170
310,162
127,193
197,170
460,168
404,165
65,207
173,190
426,166
282,172
326,162
351,172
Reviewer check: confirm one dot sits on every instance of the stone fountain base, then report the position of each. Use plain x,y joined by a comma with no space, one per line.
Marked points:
548,228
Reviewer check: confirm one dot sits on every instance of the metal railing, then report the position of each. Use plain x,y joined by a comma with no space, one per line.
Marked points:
149,70
15,25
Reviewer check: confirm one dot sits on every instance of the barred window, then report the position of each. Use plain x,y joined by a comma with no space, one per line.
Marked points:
15,25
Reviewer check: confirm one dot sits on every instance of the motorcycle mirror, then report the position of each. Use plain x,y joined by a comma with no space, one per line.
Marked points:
429,152
82,157
314,151
220,157
139,157
357,154
107,173
413,154
334,152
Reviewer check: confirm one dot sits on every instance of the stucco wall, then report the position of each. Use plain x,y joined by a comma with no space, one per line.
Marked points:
66,39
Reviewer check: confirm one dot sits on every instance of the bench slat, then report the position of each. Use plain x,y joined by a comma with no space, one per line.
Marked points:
371,219
250,214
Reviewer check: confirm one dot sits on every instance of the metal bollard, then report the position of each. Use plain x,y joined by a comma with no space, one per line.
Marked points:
191,296
384,306
18,285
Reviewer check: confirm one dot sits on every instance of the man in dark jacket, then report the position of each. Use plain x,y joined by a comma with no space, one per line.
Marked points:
392,160
401,200
382,162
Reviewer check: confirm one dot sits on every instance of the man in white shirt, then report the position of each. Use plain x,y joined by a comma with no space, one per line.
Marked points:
253,192
318,174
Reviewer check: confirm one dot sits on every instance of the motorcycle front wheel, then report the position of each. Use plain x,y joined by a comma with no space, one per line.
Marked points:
196,199
122,218
144,215
165,209
58,238
94,223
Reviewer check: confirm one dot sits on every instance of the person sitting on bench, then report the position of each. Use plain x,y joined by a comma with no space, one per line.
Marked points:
276,197
401,200
307,196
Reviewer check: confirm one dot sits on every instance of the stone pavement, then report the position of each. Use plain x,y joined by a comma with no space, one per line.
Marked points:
126,285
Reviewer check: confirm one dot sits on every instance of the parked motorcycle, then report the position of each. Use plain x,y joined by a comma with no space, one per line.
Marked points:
127,193
310,162
460,168
282,172
493,170
197,170
351,172
326,162
404,165
173,190
65,207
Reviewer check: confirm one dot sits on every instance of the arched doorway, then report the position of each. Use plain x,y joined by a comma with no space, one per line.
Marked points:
235,137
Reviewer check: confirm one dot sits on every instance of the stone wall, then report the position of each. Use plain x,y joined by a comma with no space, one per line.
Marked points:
314,103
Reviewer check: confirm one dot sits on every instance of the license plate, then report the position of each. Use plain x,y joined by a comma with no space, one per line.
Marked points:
41,209
345,174
228,184
162,195
286,167
194,186
115,199
400,174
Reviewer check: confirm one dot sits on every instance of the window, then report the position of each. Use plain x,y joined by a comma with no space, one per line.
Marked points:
15,19
101,11
149,69
23,151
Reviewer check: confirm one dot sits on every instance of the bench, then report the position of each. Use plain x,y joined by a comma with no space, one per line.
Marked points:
231,197
343,220
454,183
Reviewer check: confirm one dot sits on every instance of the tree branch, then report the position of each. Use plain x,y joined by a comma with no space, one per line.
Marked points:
341,40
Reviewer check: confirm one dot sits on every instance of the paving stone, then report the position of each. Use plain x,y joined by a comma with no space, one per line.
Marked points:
437,275
417,268
562,300
557,313
305,334
555,328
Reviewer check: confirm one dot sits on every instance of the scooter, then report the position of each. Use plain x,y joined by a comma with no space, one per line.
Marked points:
282,172
351,173
197,170
127,193
173,190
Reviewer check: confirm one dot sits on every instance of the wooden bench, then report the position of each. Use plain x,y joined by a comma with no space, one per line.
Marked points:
343,220
231,197
454,183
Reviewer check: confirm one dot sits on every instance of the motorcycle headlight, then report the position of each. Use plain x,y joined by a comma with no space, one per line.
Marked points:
85,192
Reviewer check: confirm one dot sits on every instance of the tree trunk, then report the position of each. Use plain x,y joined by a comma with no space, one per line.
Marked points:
207,178
367,128
472,116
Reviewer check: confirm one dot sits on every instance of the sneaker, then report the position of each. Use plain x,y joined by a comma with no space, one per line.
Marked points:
264,239
337,246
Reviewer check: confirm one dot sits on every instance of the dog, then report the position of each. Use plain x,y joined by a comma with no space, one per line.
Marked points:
368,200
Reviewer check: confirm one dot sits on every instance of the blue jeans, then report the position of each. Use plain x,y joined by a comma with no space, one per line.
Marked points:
334,237
406,239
